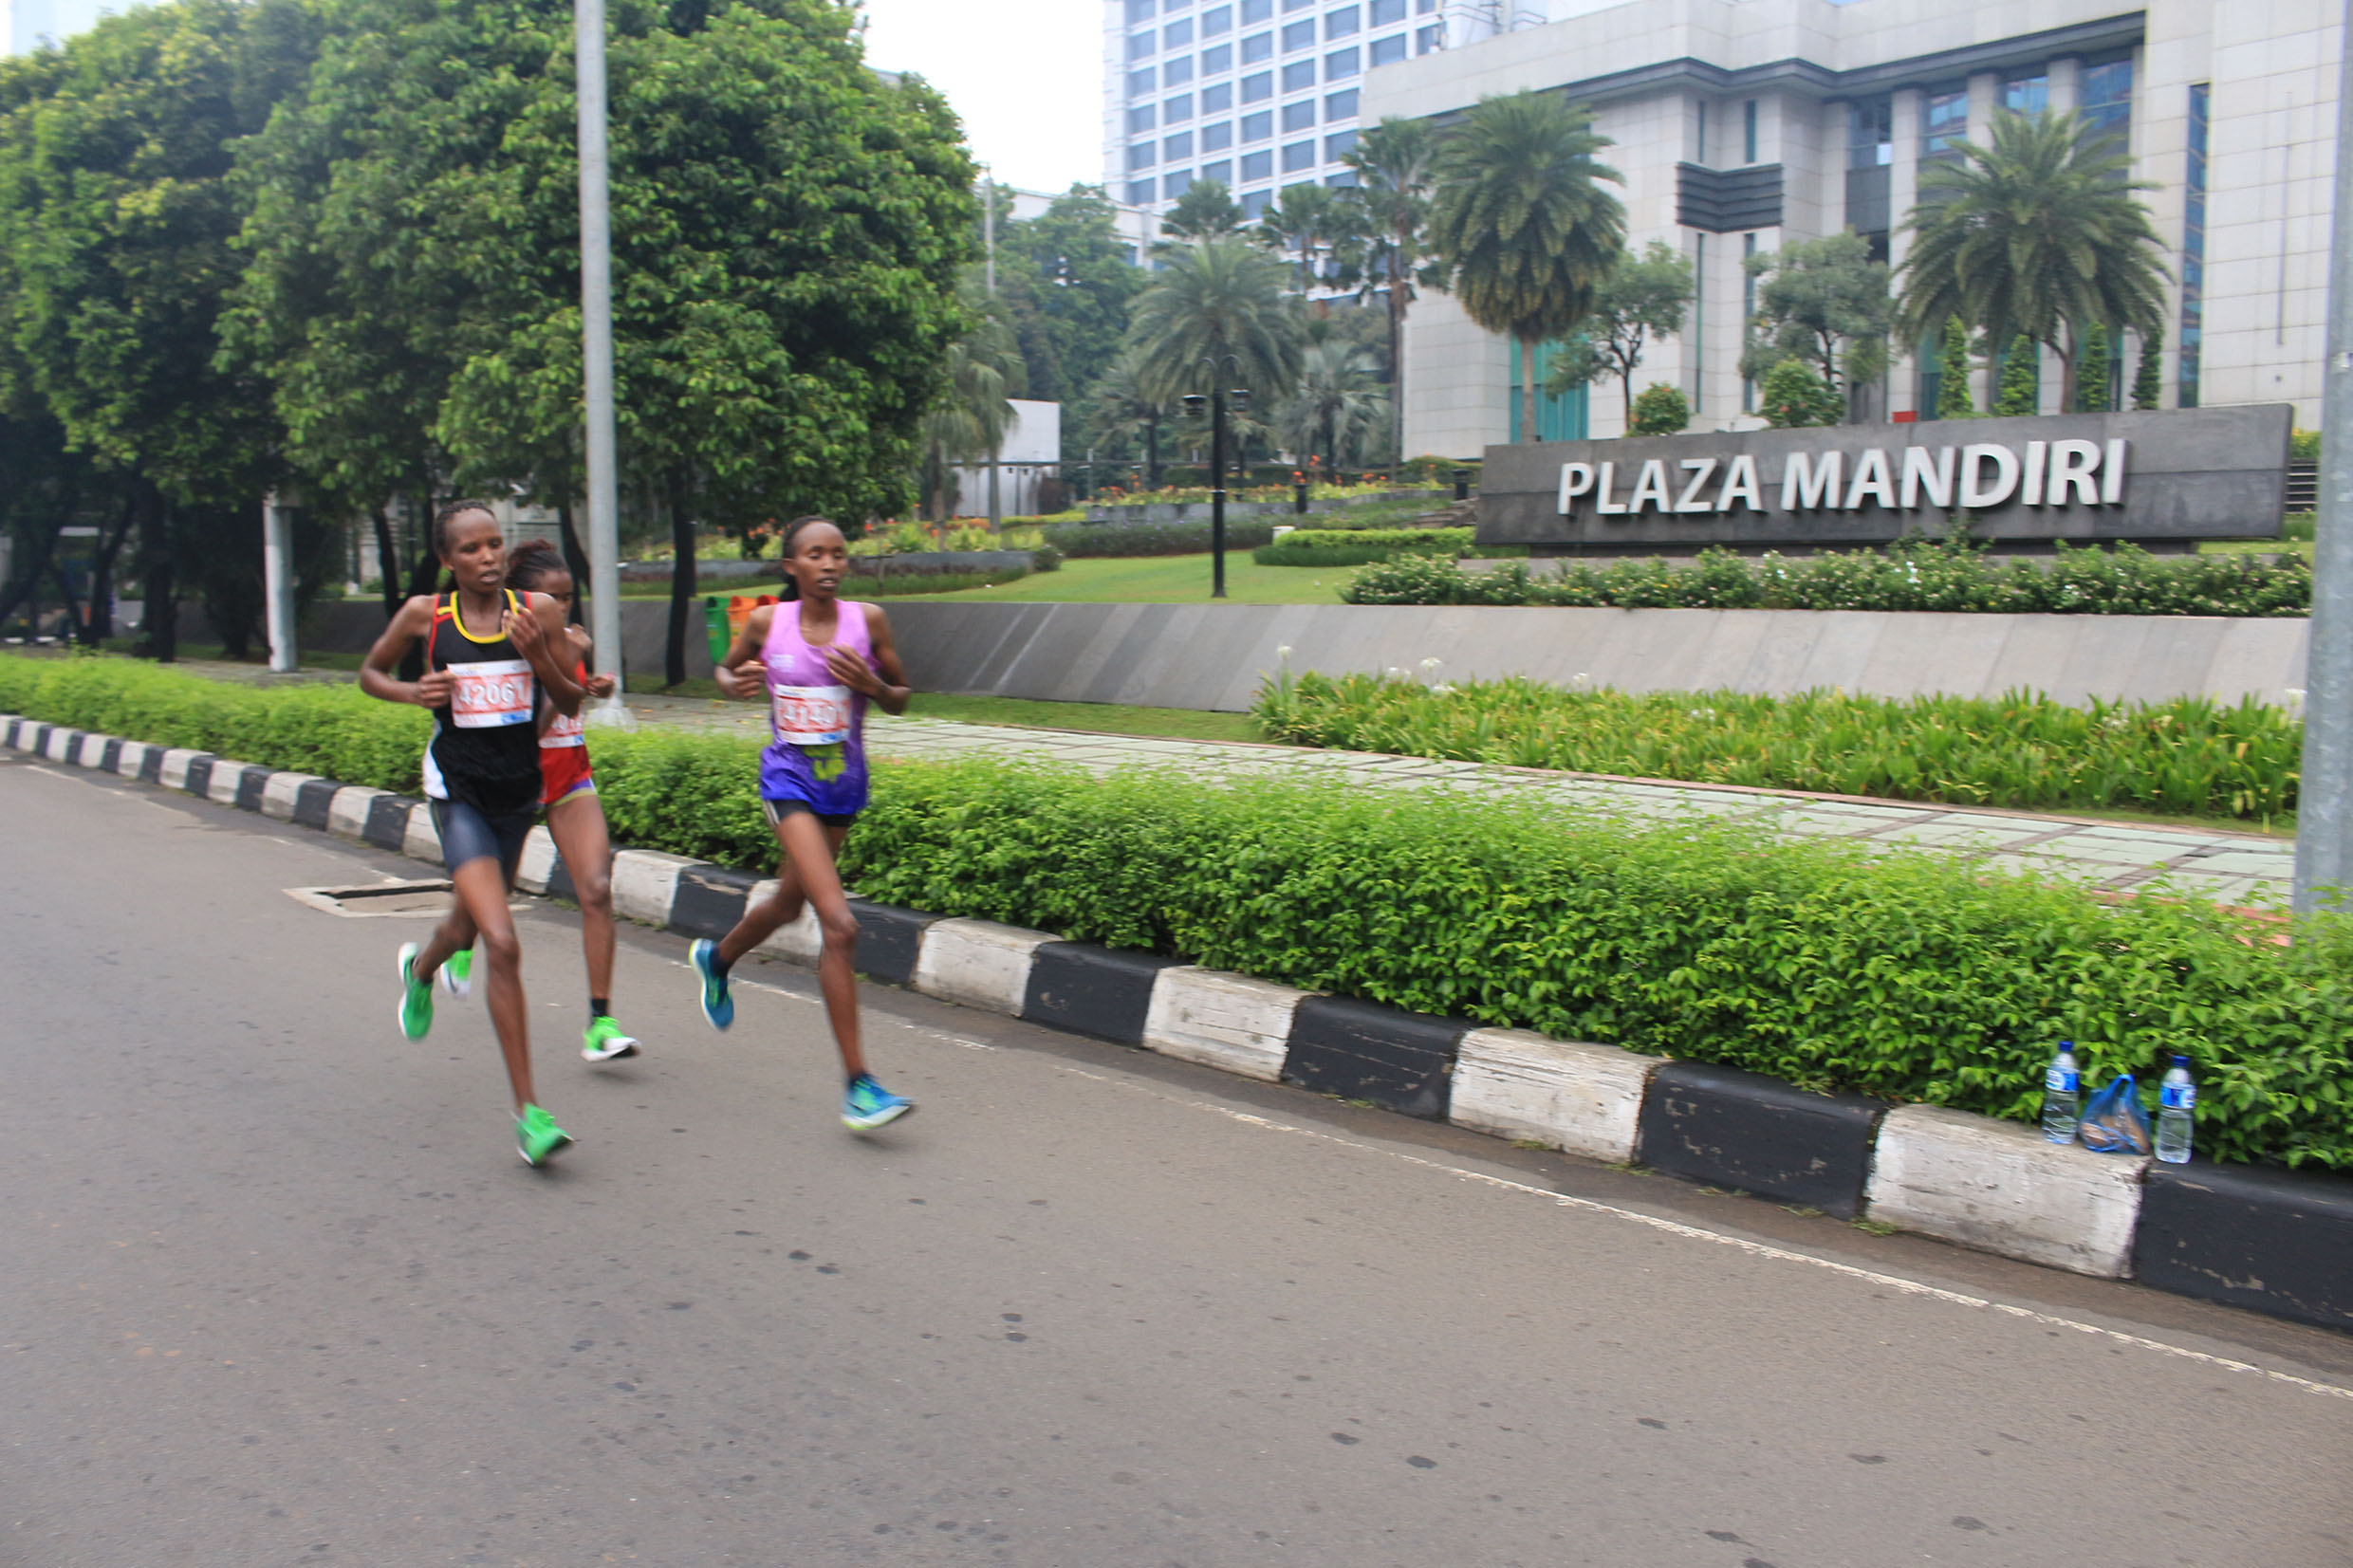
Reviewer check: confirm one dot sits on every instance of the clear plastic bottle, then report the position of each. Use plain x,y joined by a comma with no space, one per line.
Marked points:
2063,1095
2176,1109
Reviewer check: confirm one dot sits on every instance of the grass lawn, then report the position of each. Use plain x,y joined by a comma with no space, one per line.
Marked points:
2257,546
1170,580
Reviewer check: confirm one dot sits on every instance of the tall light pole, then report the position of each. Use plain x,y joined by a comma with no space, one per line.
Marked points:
2324,797
989,239
595,333
1218,401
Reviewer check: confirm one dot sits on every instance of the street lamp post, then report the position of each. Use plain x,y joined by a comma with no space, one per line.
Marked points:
1218,401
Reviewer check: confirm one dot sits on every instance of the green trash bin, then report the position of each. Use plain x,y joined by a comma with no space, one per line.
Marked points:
714,622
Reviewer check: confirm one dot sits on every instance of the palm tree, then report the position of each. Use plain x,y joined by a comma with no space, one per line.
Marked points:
1305,218
968,418
1213,298
1339,405
2039,236
1392,165
1206,209
1524,233
1118,410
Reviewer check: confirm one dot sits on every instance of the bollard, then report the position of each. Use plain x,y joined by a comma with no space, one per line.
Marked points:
1462,484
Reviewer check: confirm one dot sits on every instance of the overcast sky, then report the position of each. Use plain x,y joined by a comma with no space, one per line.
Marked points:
1025,76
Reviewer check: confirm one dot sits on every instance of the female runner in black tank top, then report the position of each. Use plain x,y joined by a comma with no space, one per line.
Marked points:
492,658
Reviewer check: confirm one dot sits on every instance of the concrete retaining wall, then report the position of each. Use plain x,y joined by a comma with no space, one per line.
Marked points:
1214,655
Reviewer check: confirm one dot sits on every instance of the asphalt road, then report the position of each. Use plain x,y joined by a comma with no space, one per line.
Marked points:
274,1289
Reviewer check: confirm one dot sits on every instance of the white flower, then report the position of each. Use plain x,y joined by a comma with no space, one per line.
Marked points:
1432,663
1284,652
1442,689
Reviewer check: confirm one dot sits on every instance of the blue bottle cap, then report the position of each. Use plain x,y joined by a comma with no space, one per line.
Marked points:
2181,1061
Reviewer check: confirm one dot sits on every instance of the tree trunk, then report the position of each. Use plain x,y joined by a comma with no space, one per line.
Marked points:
158,632
2068,352
1152,450
1625,390
681,578
101,621
25,589
387,561
575,561
424,578
1397,362
1527,390
75,630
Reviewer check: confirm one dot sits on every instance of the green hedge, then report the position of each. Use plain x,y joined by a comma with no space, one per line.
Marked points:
2189,756
1358,546
2127,581
1815,962
1130,539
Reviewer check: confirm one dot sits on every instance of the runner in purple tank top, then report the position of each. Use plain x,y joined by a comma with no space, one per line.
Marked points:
819,662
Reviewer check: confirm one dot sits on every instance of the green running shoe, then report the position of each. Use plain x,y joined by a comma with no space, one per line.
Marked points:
719,1007
456,975
868,1105
603,1041
537,1137
415,997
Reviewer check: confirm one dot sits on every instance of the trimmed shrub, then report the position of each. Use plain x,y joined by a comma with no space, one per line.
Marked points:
1360,546
1134,539
2019,387
1952,371
1660,409
1794,394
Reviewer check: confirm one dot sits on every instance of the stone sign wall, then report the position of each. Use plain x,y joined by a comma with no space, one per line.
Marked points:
2156,477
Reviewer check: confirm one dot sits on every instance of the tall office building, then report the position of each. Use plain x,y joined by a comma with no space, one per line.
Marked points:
1258,94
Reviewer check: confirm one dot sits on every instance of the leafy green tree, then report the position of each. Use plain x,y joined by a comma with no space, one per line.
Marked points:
1215,298
1393,162
2020,387
1661,410
2039,233
1952,363
1306,219
1339,408
1121,413
967,421
1085,280
2091,378
1793,393
1824,302
1523,232
1204,210
1642,298
2149,375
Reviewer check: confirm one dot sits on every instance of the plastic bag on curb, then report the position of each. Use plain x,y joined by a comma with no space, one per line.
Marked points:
2114,1123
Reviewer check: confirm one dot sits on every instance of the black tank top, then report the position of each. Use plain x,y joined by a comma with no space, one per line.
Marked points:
485,746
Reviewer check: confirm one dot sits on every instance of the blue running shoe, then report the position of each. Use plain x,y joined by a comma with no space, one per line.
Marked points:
868,1105
719,1007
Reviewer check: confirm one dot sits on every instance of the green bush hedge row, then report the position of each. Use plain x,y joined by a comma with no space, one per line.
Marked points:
1895,976
2123,581
1130,539
2189,756
1357,547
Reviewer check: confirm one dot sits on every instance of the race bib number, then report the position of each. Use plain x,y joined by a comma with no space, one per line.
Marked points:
566,729
810,715
496,693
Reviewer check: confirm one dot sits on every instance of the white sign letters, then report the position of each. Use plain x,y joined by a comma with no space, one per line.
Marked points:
1977,476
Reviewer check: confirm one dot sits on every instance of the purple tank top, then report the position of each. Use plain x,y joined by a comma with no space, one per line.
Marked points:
816,727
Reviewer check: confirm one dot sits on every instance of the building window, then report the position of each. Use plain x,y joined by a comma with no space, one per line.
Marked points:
1180,145
1290,5
1176,34
1298,117
1141,193
1381,12
1137,10
2194,249
1217,59
1257,127
1255,205
1139,84
1173,186
1341,63
1298,35
1748,131
1871,133
1257,47
1339,146
2026,95
1748,316
1342,23
1179,107
1176,72
1139,45
1944,119
1388,51
1139,119
1217,98
1423,8
1298,75
1139,156
1340,106
1218,136
1344,180
1258,166
1256,11
2103,93
1429,40
1219,172
1215,20
1298,156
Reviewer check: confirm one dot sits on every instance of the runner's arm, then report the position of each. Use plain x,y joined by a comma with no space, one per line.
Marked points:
737,674
538,633
885,678
413,620
583,645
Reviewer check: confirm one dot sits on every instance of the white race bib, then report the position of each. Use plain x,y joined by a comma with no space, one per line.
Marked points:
566,729
495,693
810,715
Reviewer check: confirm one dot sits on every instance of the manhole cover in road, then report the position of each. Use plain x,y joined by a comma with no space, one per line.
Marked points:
427,898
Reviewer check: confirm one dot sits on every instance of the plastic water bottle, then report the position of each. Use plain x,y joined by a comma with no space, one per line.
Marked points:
2063,1095
2177,1108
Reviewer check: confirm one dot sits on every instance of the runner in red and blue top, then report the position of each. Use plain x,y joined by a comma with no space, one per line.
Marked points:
569,792
818,660
493,658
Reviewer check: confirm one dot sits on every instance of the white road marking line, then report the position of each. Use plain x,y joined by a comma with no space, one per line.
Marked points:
1757,1250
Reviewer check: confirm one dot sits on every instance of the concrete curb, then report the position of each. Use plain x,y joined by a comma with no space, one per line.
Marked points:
2277,1241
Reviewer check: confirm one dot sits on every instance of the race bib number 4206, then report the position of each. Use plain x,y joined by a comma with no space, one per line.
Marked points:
491,693
810,715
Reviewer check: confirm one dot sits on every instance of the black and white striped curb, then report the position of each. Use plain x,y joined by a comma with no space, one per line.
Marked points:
2275,1241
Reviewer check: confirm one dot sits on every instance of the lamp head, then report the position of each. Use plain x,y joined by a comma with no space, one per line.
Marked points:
1194,403
1238,399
